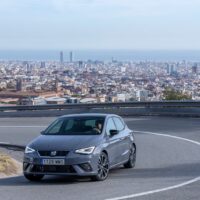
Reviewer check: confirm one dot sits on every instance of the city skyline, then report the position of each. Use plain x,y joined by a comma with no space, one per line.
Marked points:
99,24
100,55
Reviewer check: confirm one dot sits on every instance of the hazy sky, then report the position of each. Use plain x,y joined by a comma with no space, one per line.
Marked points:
100,24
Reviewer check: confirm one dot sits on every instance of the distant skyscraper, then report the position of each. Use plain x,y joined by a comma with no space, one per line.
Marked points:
71,56
42,64
194,69
56,84
27,66
80,63
19,85
171,69
61,57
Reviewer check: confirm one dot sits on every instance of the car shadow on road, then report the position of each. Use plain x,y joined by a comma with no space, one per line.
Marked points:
48,180
172,171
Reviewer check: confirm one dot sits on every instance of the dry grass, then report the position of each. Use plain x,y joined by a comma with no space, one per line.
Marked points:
8,166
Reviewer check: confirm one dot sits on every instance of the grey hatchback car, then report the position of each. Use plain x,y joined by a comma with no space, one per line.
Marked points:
82,145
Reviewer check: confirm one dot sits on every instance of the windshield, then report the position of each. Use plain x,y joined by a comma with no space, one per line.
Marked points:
76,126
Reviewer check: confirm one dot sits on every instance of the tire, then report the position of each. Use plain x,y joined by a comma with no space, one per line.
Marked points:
132,158
32,177
103,168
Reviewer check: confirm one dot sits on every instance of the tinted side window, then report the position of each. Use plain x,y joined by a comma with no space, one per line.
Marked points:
68,125
90,123
119,124
55,127
110,126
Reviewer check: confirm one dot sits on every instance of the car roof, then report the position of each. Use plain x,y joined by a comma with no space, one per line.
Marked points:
89,115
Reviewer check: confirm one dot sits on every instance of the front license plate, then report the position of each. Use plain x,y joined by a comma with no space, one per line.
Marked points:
53,161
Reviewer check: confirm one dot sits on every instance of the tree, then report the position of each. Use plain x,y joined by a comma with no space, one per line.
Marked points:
172,94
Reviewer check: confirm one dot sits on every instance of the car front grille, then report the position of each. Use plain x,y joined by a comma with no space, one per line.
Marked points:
48,168
49,153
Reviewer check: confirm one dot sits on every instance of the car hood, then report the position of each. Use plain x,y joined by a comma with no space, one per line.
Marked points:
64,142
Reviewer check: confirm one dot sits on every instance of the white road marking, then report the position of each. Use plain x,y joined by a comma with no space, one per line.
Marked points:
171,136
158,190
166,188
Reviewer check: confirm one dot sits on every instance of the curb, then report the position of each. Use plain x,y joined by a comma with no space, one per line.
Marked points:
13,147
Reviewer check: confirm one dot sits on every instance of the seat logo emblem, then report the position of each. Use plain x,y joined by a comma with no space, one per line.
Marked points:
53,153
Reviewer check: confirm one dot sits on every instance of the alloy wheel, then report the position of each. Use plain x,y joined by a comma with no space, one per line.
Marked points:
103,166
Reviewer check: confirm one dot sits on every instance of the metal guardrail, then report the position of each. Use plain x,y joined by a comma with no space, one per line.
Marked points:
152,104
13,147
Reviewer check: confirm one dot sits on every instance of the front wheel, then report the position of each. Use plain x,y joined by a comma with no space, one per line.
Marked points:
132,158
33,177
103,168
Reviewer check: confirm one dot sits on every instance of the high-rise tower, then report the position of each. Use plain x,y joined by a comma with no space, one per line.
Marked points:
61,57
194,68
71,56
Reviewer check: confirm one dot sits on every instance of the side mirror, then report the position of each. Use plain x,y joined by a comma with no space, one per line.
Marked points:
113,132
42,132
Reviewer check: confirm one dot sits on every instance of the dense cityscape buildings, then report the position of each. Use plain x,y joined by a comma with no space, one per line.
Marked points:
53,82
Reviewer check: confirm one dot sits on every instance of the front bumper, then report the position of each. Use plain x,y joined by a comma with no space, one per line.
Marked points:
75,164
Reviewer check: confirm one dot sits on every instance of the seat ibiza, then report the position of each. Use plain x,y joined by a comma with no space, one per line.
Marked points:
82,145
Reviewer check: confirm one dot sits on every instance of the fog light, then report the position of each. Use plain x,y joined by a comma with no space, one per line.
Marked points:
86,167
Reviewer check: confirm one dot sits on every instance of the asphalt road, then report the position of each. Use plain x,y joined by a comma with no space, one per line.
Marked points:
168,168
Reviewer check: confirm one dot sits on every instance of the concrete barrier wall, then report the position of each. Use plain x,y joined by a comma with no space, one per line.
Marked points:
173,111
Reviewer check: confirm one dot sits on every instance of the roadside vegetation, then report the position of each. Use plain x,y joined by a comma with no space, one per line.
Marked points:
7,165
172,94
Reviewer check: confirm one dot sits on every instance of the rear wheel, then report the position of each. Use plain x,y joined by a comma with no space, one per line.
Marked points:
33,177
103,168
132,158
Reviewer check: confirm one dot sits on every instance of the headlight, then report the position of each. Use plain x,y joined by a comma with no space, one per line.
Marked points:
88,150
29,150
